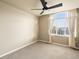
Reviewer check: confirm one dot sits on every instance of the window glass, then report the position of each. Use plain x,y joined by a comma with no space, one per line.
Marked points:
60,15
59,24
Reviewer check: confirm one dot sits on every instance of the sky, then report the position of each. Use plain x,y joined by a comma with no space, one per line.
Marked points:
59,19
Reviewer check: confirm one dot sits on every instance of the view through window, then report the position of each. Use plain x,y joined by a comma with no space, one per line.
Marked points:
59,24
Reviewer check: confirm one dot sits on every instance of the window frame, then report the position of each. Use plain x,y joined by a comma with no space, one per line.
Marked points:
51,26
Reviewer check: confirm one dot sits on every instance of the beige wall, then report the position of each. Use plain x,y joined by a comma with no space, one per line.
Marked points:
60,40
16,28
44,28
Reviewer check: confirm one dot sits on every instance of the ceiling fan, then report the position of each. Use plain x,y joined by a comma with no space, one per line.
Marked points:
44,4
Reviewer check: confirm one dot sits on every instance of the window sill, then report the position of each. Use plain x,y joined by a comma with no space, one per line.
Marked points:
59,35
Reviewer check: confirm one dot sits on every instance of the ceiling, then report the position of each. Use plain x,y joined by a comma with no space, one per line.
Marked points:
27,5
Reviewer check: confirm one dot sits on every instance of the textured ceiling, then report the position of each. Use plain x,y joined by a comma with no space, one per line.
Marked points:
27,5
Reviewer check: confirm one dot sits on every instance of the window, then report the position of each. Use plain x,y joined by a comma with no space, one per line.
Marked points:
59,24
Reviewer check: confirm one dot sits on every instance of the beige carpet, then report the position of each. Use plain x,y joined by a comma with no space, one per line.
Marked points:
41,50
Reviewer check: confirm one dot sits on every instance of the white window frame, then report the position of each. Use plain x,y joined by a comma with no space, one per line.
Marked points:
50,28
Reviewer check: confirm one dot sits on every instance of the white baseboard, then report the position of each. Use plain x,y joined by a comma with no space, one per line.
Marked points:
53,43
57,44
61,44
27,44
43,41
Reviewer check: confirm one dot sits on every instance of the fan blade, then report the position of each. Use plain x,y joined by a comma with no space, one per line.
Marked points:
43,3
42,12
36,9
55,6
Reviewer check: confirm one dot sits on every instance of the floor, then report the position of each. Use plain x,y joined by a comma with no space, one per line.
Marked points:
42,50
